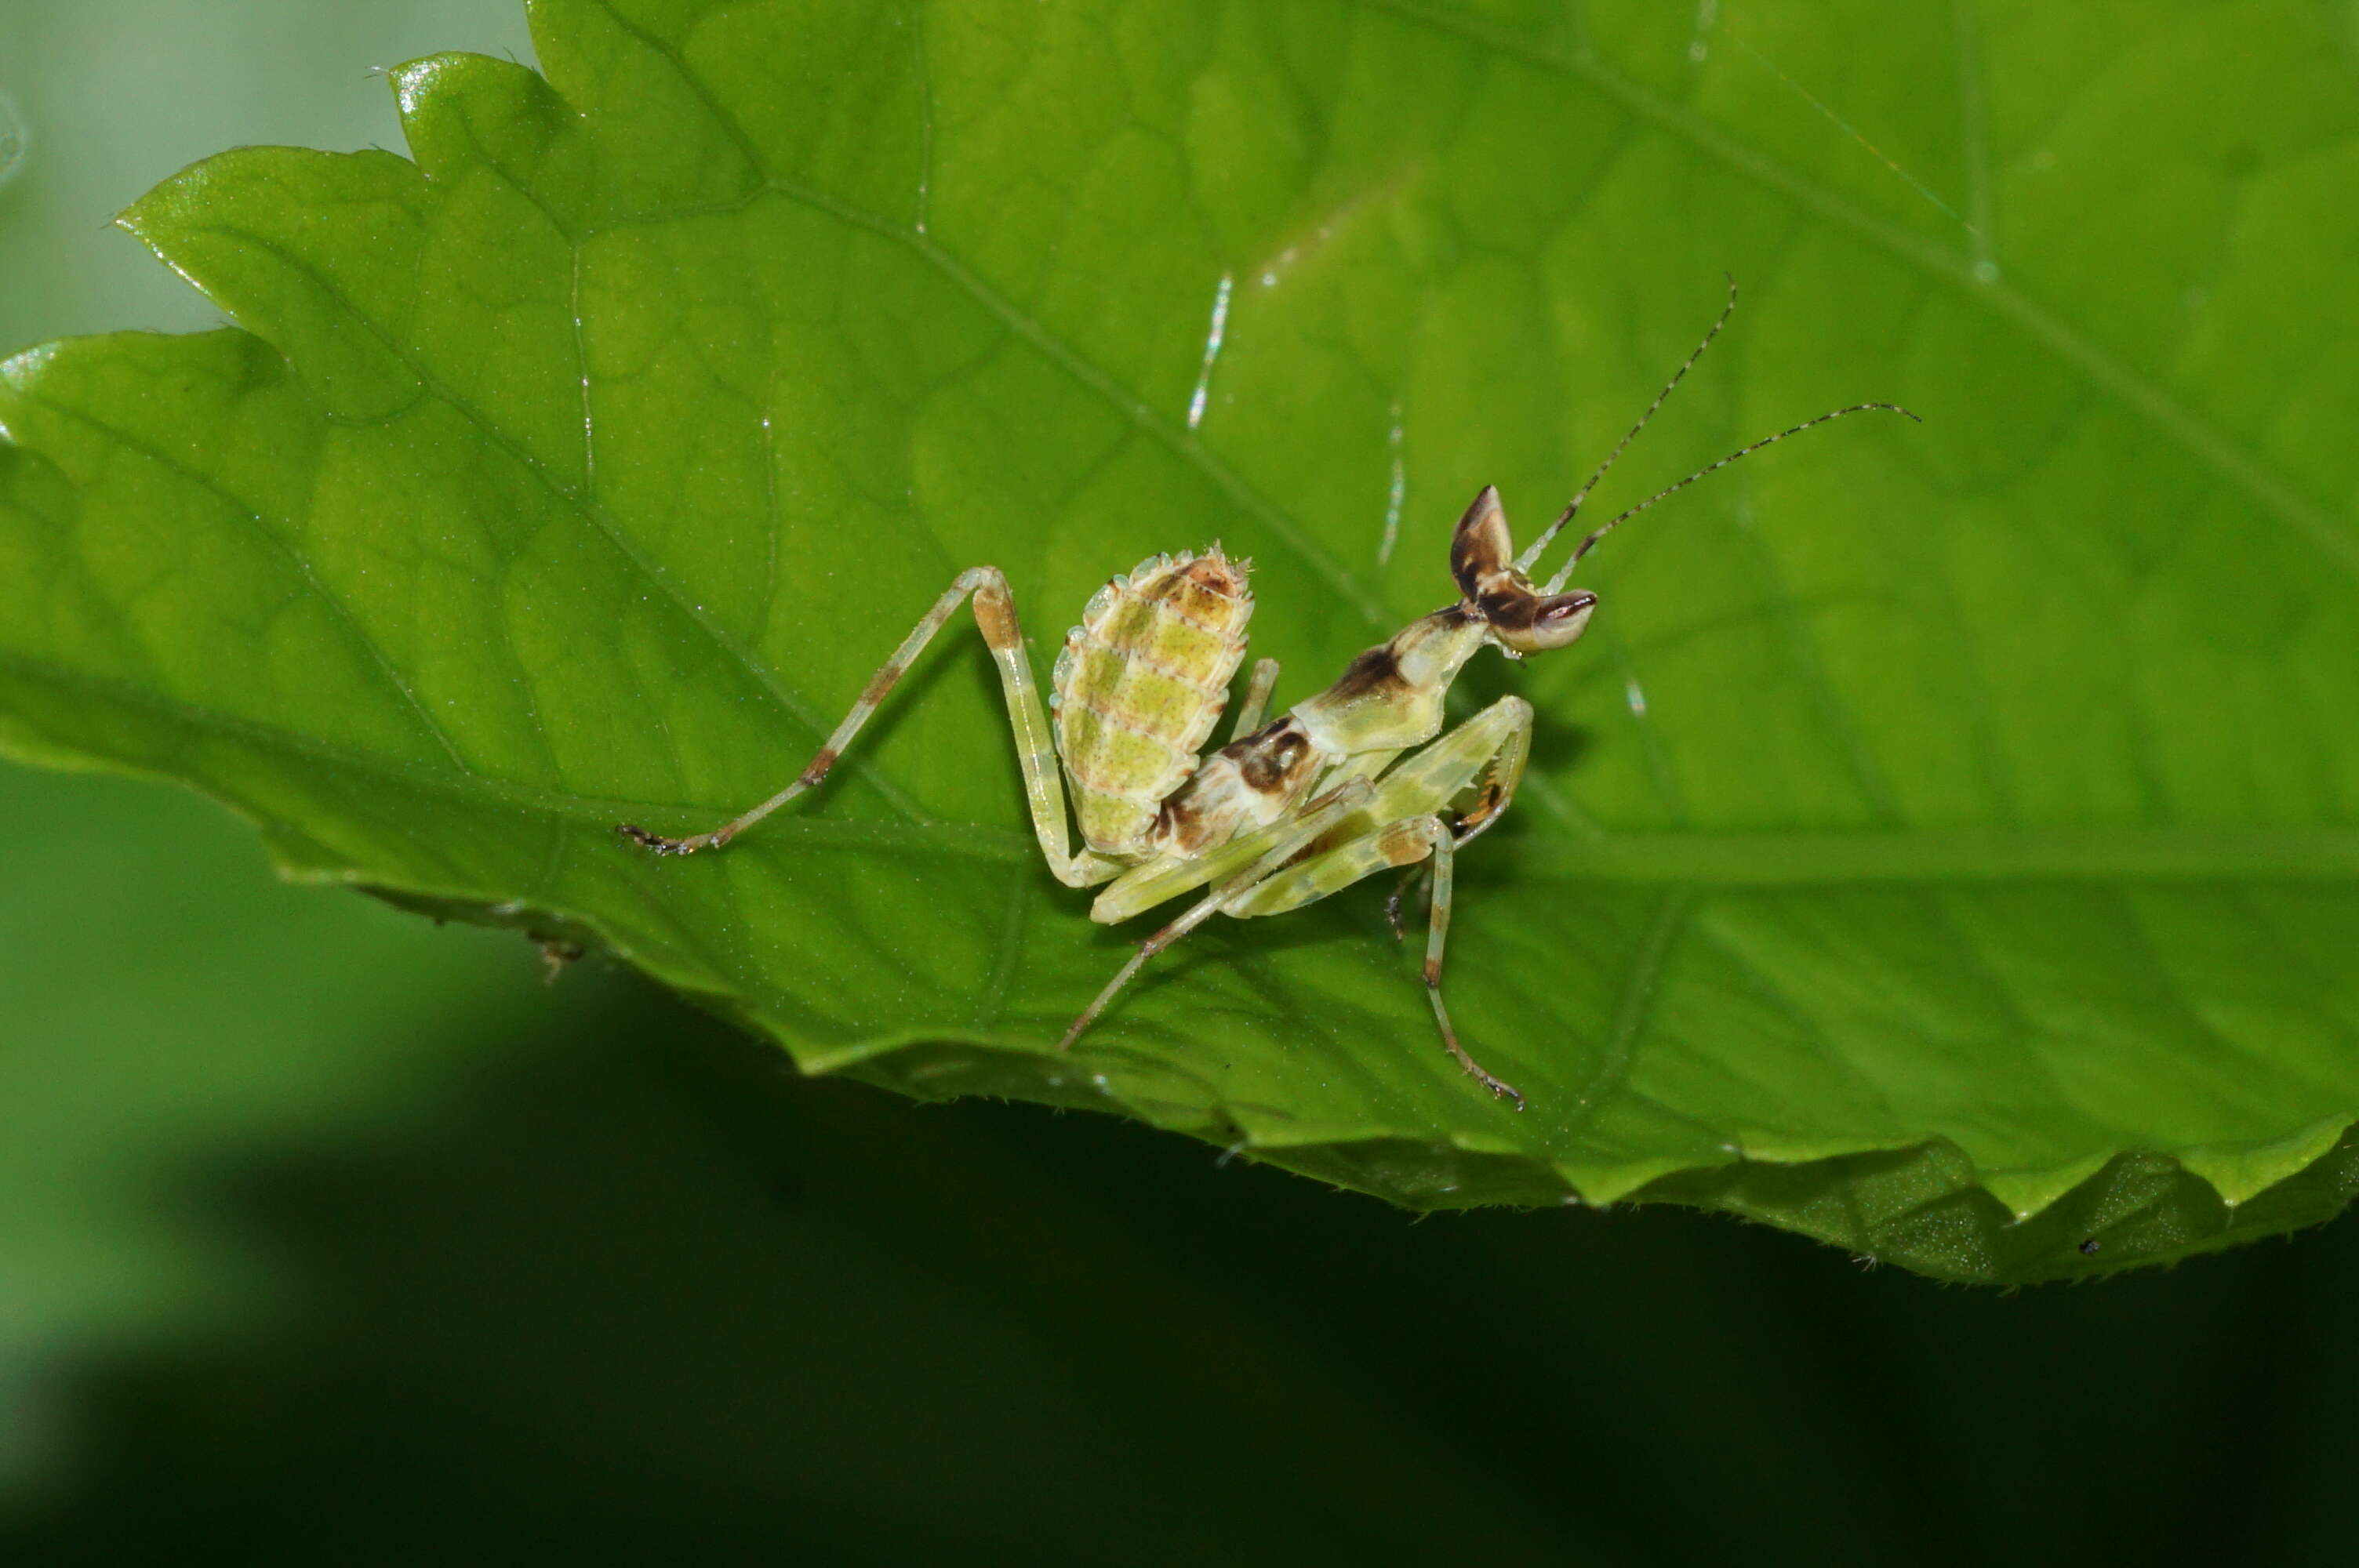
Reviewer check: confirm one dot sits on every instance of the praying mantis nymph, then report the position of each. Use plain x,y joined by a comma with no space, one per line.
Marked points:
1341,786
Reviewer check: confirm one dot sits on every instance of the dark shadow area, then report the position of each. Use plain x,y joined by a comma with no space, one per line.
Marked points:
644,1296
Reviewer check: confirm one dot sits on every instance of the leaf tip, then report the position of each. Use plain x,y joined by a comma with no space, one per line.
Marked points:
412,80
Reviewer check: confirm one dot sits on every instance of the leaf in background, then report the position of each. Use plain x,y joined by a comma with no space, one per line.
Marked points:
1944,844
164,998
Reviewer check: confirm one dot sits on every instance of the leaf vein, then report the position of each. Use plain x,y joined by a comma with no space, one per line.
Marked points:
2101,368
238,506
618,538
1636,1004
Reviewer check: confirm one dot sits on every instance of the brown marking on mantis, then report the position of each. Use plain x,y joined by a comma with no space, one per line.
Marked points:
995,613
1247,784
1269,766
1374,676
1403,843
1202,592
1180,821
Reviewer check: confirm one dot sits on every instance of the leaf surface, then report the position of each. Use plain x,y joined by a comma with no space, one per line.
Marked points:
1946,842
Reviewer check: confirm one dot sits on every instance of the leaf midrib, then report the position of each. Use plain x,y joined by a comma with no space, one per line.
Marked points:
2095,854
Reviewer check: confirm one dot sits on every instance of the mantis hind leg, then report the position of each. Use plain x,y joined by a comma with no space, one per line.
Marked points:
995,613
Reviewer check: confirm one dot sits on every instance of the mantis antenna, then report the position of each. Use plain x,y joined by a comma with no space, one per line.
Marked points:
1573,508
1524,562
1556,583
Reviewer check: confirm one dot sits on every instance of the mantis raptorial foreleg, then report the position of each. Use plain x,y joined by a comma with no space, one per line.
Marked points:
995,613
1491,746
1406,807
1507,770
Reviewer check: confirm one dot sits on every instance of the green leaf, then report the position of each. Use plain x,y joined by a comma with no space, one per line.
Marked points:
1946,842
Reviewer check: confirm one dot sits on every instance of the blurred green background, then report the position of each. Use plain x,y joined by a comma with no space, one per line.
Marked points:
329,1234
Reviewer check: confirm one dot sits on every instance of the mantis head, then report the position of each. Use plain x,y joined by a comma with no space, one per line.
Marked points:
1522,619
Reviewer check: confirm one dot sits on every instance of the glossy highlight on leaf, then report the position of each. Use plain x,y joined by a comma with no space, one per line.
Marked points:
1945,841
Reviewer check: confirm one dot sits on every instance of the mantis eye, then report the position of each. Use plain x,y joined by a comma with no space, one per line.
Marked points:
1556,621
